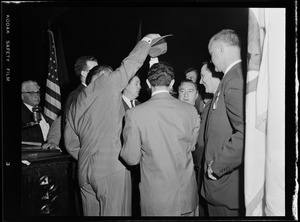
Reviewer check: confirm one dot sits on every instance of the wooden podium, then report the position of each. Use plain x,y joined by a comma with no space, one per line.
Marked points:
45,183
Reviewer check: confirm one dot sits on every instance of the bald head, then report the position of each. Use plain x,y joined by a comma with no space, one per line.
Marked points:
224,48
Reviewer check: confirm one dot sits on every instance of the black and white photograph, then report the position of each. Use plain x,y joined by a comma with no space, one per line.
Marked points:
149,110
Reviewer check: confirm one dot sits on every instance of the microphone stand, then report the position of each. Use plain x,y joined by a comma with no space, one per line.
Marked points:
30,124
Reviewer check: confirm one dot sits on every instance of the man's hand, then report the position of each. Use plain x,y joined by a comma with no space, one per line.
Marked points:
50,146
148,38
210,171
153,36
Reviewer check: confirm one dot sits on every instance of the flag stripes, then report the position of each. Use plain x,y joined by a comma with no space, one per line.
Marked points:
53,103
51,115
52,106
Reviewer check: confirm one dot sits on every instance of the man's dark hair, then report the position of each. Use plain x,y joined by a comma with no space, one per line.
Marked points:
160,74
95,70
192,69
80,64
210,67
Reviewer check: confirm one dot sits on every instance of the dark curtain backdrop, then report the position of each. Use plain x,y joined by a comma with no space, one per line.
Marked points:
110,33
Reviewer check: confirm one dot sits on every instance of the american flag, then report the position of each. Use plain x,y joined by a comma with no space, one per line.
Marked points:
52,96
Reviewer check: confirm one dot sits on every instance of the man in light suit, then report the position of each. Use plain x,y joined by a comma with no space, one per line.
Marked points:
93,137
82,67
224,130
160,134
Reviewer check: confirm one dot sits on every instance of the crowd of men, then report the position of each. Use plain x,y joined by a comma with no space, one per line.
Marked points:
168,156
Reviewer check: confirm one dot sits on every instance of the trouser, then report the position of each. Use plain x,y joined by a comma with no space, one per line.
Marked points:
202,202
217,211
136,200
109,196
194,213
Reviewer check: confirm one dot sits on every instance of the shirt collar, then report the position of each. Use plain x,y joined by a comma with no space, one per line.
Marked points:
231,65
160,91
127,101
29,106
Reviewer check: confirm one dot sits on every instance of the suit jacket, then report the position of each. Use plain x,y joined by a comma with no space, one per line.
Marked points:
198,152
73,96
94,121
161,134
199,104
33,133
54,134
224,142
126,107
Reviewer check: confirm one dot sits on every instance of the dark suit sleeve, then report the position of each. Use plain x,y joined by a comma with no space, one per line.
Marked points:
131,151
231,154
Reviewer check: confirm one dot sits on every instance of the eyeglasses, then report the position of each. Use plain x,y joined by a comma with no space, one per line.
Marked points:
32,93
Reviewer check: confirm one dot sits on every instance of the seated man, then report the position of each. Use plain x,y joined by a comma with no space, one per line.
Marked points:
32,131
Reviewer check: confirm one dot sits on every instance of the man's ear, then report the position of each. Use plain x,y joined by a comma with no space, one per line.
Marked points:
221,48
84,73
148,83
172,83
197,94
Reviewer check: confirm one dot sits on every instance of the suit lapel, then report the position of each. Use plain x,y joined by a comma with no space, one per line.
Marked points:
213,105
219,92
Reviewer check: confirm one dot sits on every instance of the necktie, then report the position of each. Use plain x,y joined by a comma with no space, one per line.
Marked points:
132,105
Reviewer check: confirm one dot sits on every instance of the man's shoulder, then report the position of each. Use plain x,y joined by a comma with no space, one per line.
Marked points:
235,72
73,94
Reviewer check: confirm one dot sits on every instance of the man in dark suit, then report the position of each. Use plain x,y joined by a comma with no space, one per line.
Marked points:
160,134
30,94
129,95
224,130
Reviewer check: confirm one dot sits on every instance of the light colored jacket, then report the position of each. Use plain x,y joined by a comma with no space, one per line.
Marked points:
160,134
94,121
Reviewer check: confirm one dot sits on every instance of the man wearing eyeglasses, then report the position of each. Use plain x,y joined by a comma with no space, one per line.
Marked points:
31,130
